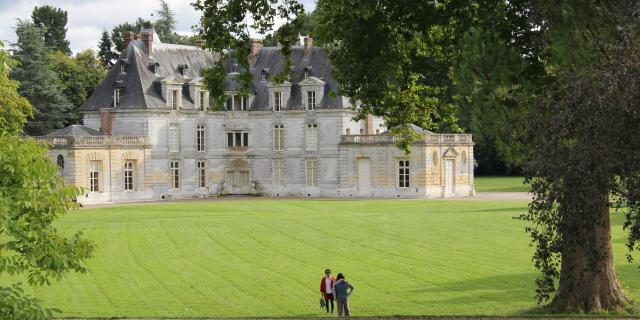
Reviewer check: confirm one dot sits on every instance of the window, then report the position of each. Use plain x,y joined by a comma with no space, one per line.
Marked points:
236,103
116,97
243,103
237,139
311,100
128,175
278,137
156,68
202,182
60,161
403,174
277,101
278,172
174,137
348,131
361,131
311,172
123,68
312,137
175,95
94,176
200,137
203,101
175,174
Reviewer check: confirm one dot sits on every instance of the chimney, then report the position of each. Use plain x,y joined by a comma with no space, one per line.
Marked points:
256,46
106,122
147,40
308,43
128,36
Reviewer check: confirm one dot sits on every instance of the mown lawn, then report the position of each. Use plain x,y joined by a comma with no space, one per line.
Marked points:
500,184
264,257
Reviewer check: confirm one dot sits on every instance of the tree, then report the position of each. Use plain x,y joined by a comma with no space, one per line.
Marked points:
53,23
38,83
165,23
106,53
309,28
77,77
32,197
117,34
14,108
563,77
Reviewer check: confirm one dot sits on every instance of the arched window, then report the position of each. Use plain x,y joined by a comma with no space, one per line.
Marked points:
60,161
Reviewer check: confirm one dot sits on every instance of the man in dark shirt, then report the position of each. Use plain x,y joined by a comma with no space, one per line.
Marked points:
341,291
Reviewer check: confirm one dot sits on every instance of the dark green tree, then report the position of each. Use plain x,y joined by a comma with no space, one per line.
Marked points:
559,79
38,83
117,34
106,53
32,197
53,23
308,28
165,23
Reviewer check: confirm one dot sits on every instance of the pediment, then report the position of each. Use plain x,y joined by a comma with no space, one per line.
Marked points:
173,79
451,153
312,81
275,85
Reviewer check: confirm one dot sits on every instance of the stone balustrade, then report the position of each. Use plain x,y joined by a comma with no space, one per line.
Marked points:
387,138
94,141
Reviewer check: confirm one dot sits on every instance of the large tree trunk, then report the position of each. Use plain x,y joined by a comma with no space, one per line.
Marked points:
586,284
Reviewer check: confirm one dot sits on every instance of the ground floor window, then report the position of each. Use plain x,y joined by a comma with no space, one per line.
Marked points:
128,175
202,174
94,176
403,173
311,172
175,174
278,172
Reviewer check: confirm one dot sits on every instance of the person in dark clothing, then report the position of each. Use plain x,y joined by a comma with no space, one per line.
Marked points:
341,292
326,288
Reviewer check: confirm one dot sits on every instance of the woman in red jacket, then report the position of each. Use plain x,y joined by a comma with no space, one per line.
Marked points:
326,287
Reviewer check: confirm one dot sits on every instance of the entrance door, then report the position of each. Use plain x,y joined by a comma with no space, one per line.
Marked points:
450,176
364,176
238,181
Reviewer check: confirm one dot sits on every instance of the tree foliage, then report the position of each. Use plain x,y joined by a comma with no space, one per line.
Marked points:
106,55
14,108
117,34
38,83
556,81
224,26
53,23
165,23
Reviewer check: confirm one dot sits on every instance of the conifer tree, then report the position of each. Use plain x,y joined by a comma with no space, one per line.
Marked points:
53,23
106,53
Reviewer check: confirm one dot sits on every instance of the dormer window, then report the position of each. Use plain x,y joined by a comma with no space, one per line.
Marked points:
155,67
117,92
307,71
123,67
311,100
182,68
237,103
263,74
277,101
175,99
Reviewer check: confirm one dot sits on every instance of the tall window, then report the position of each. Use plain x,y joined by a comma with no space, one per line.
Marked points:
312,137
311,172
203,101
403,174
277,101
116,97
202,174
278,137
123,68
278,172
94,176
174,137
243,103
175,98
311,100
128,175
200,137
175,174
237,139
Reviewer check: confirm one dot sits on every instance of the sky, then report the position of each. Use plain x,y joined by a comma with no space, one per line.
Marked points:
88,18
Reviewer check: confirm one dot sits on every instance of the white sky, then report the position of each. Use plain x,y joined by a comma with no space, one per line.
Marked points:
88,18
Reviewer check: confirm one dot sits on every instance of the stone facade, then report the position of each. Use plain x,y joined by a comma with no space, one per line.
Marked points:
151,133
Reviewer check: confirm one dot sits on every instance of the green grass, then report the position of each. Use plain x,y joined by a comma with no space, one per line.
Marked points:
265,257
500,184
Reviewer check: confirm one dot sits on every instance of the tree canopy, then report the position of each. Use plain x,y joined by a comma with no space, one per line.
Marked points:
106,55
53,23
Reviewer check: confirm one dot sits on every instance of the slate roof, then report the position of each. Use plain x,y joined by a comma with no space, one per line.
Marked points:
142,88
74,130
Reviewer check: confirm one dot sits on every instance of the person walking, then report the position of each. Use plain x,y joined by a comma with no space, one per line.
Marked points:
326,288
341,292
